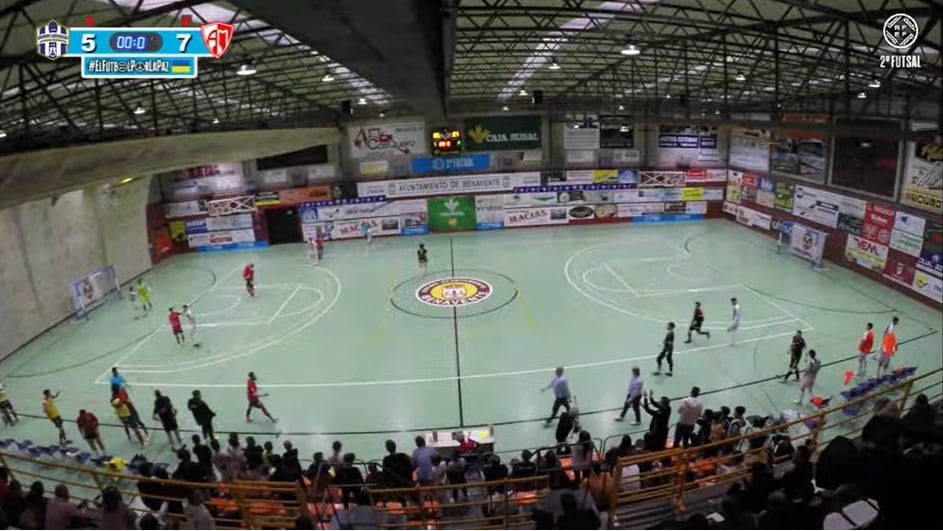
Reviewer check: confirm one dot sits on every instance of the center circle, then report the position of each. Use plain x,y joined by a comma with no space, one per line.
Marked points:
455,291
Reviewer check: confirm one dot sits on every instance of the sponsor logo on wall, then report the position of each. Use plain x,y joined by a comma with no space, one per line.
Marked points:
930,254
749,149
866,253
928,286
452,164
752,218
451,214
804,242
816,205
685,146
489,212
784,199
184,209
529,217
878,223
907,235
923,174
386,140
374,167
766,192
464,184
850,224
518,133
583,138
899,272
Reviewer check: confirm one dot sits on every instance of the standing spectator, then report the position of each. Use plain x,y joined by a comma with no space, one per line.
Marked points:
202,414
568,425
582,455
88,427
337,455
61,513
921,415
114,514
223,463
525,468
633,398
13,503
204,457
561,394
689,412
574,517
422,461
736,426
166,413
290,459
350,479
661,416
398,466
187,470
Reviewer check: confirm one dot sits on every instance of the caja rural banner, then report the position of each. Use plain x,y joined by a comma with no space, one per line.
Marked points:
866,253
684,146
907,236
816,205
930,254
489,212
928,286
878,223
451,213
503,133
749,149
923,174
806,242
386,140
461,184
532,217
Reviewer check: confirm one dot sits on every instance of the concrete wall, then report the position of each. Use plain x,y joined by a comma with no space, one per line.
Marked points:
46,244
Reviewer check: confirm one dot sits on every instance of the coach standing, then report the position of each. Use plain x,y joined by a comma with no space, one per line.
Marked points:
633,398
561,393
202,414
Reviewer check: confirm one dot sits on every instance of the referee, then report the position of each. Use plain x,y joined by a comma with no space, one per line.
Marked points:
561,394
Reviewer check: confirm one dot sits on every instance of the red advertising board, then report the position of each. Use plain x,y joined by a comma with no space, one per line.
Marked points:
696,175
878,223
749,180
899,272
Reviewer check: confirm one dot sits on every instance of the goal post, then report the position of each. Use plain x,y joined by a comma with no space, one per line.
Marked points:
93,290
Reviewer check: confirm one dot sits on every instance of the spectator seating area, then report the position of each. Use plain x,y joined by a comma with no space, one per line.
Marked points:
881,428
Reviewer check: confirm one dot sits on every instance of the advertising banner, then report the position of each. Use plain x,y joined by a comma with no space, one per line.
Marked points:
909,223
748,194
696,207
752,218
328,212
851,206
929,259
369,168
184,209
899,272
866,253
627,157
850,224
352,228
386,140
907,236
489,212
461,184
266,199
800,153
928,286
602,176
816,205
733,186
805,242
412,224
452,164
503,133
583,138
749,149
632,210
588,212
451,213
293,196
692,194
923,173
784,197
616,132
766,192
220,238
531,217
685,146
749,180
878,223
220,223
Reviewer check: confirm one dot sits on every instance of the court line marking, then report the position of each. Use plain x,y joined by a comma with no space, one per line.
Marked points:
681,276
284,304
193,301
619,279
261,345
666,292
547,370
227,309
597,286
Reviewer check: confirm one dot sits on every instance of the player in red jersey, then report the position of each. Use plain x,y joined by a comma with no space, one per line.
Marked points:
174,318
319,246
696,322
252,393
865,347
248,274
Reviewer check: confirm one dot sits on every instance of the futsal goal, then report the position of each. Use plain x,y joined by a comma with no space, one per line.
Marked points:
799,240
92,291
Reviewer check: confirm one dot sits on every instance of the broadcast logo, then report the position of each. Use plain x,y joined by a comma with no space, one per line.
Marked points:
900,32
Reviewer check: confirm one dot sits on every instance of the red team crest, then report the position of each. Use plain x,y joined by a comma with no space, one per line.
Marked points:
217,37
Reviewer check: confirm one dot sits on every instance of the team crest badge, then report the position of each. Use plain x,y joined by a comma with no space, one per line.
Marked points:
217,37
52,40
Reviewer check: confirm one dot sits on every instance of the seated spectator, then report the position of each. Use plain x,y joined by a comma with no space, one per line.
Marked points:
524,468
196,514
603,488
303,522
757,487
921,416
187,470
148,521
625,449
494,470
13,504
290,459
34,509
350,479
574,517
887,407
466,446
797,483
167,491
63,514
223,462
375,477
114,513
560,484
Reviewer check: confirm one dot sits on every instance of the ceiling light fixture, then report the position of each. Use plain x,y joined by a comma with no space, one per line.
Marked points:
3,134
624,129
126,180
522,93
668,96
215,121
554,65
362,101
505,108
717,111
630,50
740,77
139,110
327,78
862,95
382,114
875,83
621,107
246,69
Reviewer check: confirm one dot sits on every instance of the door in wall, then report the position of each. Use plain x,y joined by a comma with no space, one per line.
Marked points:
284,226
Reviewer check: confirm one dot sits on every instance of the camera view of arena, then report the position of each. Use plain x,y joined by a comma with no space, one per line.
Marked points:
460,264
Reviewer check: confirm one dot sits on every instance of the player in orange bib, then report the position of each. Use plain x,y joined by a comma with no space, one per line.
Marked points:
865,347
888,349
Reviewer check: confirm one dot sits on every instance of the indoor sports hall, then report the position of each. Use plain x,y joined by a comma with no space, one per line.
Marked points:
346,351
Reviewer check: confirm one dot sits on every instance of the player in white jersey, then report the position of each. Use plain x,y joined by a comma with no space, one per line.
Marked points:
808,377
133,298
367,231
313,250
188,313
892,327
734,320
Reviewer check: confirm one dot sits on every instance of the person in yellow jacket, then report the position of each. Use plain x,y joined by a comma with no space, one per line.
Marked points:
52,413
124,414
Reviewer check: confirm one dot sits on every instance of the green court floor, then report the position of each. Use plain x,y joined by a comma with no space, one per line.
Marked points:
348,352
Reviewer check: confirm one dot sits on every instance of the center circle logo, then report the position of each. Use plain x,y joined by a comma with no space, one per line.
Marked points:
451,292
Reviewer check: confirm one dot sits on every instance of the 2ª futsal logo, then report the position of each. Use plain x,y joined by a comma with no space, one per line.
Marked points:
451,292
900,32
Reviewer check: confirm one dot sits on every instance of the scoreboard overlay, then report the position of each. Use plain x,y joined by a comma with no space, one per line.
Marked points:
135,53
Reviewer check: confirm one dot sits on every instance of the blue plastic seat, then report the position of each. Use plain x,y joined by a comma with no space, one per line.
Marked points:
82,458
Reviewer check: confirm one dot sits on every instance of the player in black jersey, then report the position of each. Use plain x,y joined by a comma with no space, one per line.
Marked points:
423,256
696,323
667,349
795,355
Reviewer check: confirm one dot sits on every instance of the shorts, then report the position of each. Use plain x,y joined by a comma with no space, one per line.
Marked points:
808,382
696,325
884,361
794,361
169,425
257,404
177,330
57,421
91,436
423,260
135,418
249,283
126,422
6,405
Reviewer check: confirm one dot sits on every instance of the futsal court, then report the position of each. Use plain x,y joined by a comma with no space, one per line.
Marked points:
348,351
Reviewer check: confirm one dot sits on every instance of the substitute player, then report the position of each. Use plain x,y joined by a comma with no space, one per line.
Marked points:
808,377
87,423
888,349
248,274
319,246
6,408
423,255
313,250
367,232
252,393
144,295
667,349
133,299
796,348
734,320
865,347
191,320
52,413
124,415
696,322
174,318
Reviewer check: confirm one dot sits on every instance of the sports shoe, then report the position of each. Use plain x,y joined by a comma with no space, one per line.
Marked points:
708,335
688,341
668,373
635,423
657,373
620,419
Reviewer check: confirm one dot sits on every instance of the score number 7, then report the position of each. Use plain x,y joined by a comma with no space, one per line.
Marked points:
184,39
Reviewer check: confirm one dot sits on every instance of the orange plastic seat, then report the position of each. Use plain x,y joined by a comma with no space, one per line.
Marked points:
526,498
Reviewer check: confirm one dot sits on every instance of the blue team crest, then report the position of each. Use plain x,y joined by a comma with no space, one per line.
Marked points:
52,40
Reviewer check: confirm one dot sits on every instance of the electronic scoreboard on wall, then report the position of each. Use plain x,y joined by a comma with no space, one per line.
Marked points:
446,141
135,53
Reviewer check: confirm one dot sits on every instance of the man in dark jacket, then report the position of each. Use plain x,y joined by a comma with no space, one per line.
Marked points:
202,414
661,415
398,466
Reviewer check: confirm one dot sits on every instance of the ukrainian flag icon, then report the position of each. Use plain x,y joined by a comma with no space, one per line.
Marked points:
180,66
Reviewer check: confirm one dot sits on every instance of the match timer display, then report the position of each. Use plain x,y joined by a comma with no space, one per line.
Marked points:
151,53
446,141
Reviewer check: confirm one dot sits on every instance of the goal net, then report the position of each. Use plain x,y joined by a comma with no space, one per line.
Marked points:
801,241
93,290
